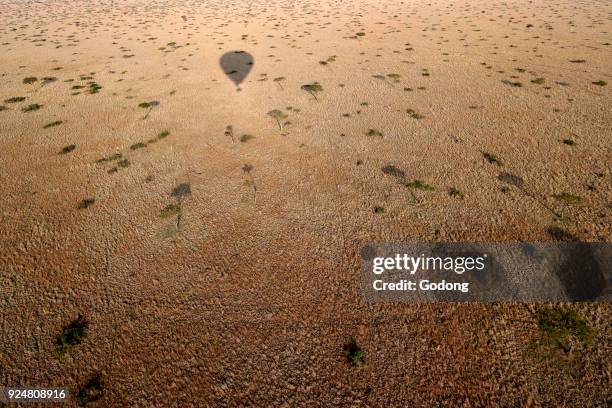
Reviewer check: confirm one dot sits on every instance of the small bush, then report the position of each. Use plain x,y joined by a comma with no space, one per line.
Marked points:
72,334
31,107
453,192
52,124
67,149
355,355
568,198
86,203
15,99
493,159
138,145
562,323
419,185
374,132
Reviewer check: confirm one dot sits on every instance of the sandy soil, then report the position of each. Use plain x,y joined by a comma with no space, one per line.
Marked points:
215,269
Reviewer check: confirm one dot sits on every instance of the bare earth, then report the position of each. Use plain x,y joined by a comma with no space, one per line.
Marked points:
217,269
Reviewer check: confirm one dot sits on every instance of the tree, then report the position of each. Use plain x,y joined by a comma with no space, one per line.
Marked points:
313,89
278,80
278,115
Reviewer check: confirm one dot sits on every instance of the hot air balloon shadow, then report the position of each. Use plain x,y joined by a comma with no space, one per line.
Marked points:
236,65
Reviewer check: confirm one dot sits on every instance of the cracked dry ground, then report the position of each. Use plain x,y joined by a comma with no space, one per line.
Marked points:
218,269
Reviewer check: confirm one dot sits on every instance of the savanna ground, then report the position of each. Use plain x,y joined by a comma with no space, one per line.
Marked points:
209,239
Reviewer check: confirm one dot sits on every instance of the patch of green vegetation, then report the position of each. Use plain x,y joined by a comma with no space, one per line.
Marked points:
569,198
538,81
453,192
92,391
419,185
114,156
560,324
67,149
379,210
170,210
144,105
245,138
29,80
600,83
138,145
51,124
163,135
355,355
123,163
493,159
15,99
86,203
374,132
72,334
31,107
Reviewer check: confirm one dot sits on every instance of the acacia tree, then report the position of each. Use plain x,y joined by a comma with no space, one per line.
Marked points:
313,89
149,106
278,80
247,168
229,131
278,115
180,192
